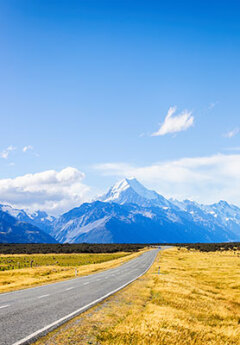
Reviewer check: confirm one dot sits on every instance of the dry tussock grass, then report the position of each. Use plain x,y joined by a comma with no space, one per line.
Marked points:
195,300
28,277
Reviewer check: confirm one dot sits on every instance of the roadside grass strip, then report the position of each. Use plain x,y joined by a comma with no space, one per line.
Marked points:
55,267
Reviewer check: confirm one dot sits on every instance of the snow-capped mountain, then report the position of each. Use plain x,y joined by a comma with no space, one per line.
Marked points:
130,191
104,222
38,218
225,214
221,214
129,212
13,230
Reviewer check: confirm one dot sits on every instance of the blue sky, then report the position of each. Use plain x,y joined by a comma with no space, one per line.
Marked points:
85,84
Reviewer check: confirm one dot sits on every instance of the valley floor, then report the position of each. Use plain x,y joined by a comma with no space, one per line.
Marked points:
194,300
49,268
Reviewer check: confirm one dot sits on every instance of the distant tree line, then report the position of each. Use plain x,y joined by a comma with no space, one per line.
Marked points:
44,248
213,247
208,247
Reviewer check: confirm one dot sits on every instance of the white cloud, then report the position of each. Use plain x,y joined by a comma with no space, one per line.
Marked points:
177,123
232,133
5,153
27,148
50,190
204,179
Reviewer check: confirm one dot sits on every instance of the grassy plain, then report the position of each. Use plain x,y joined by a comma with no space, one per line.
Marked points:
16,271
195,300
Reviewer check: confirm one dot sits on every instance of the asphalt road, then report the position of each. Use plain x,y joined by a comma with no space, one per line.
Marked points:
28,314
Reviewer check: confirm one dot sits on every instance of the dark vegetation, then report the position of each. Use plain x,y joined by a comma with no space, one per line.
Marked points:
43,248
213,247
209,247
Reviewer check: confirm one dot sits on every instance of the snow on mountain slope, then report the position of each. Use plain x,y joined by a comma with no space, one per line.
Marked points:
224,211
221,211
79,229
12,211
130,191
220,214
14,231
38,218
225,215
101,222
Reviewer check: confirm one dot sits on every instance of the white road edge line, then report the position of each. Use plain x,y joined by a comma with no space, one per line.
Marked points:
57,323
43,296
4,306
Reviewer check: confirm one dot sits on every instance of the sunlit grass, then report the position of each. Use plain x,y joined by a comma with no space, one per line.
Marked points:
53,267
195,300
9,262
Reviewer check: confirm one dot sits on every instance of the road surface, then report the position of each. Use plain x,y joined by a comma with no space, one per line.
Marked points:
25,315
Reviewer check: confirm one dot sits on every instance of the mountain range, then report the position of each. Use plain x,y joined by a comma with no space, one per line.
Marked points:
129,212
13,230
39,219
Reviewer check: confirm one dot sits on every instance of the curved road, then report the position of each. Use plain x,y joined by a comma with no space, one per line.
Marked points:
28,314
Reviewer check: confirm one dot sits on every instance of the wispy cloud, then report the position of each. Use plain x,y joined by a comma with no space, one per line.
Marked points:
177,123
27,148
5,153
232,133
236,148
205,179
50,190
212,105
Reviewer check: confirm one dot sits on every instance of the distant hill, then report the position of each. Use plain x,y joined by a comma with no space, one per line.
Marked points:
15,231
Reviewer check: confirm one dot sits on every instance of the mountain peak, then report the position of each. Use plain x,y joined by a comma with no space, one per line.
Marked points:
122,185
131,191
127,187
223,203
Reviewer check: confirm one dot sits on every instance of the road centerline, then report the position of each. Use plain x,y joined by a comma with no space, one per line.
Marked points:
4,306
70,288
43,296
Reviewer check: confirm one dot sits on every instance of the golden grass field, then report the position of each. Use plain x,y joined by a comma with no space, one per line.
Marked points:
195,300
50,268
